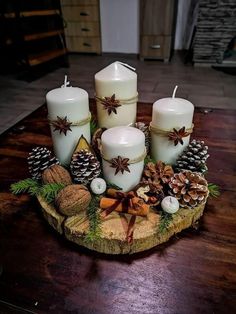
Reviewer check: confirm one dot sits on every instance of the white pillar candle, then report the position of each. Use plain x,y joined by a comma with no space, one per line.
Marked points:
120,80
126,142
73,103
169,113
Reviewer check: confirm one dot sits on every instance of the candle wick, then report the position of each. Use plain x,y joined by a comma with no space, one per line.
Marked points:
126,65
174,92
66,83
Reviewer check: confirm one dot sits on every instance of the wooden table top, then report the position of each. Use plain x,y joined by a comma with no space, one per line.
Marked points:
195,272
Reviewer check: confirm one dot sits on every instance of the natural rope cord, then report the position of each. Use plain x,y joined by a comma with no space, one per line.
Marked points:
164,132
131,161
79,122
127,101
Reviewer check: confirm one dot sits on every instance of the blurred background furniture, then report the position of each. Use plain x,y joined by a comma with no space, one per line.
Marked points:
157,21
82,25
33,32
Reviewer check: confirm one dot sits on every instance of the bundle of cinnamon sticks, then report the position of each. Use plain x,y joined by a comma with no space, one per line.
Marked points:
124,202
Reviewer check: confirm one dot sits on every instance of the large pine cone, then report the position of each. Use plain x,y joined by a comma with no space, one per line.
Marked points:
157,175
193,157
40,158
190,188
84,167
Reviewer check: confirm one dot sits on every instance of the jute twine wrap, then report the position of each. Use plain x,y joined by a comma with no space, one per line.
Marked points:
77,123
131,161
164,132
127,101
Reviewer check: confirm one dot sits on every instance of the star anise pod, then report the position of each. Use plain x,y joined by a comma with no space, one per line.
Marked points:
177,136
62,125
120,164
110,104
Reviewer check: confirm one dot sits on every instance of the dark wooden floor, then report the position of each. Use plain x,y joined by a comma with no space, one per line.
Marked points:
205,87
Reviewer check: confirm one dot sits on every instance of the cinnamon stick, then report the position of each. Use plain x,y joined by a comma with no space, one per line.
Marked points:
137,207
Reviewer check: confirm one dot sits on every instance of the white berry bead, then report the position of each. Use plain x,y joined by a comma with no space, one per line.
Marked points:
170,204
98,186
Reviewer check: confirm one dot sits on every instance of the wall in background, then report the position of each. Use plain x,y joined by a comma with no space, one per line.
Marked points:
120,25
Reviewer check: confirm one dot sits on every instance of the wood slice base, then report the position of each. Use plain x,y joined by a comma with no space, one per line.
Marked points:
113,239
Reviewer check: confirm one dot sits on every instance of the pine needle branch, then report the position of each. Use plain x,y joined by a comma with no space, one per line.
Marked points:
214,190
94,218
26,186
113,186
93,126
148,159
50,191
165,220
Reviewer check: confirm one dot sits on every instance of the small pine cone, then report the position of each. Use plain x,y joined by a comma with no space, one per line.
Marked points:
84,167
193,157
39,159
190,188
145,129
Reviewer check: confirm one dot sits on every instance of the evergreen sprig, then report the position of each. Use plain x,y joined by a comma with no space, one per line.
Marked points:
214,190
26,186
93,126
49,191
165,220
148,159
94,218
33,187
113,186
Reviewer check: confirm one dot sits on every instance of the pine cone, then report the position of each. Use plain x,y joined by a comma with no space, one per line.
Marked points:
193,157
157,175
84,167
40,158
145,129
190,188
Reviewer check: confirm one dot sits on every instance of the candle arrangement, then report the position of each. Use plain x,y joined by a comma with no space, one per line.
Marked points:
114,197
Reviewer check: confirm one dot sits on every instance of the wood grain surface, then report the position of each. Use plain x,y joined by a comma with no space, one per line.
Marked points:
41,272
113,238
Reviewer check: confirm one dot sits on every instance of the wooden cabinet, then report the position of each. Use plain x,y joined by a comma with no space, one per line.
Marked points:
33,30
82,25
156,28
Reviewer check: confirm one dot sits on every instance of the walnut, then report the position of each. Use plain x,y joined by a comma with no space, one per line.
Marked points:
73,199
56,174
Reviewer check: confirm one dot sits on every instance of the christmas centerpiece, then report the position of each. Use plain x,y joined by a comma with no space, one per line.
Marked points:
131,186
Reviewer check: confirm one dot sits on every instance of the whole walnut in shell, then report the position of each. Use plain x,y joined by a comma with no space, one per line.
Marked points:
56,174
73,199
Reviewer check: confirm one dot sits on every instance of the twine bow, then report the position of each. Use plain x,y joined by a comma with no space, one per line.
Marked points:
126,201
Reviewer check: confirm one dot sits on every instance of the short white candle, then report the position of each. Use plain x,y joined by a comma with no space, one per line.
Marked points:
127,142
119,80
169,113
170,204
73,103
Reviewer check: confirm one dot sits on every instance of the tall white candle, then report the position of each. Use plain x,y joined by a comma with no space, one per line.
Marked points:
169,113
126,142
120,80
73,103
